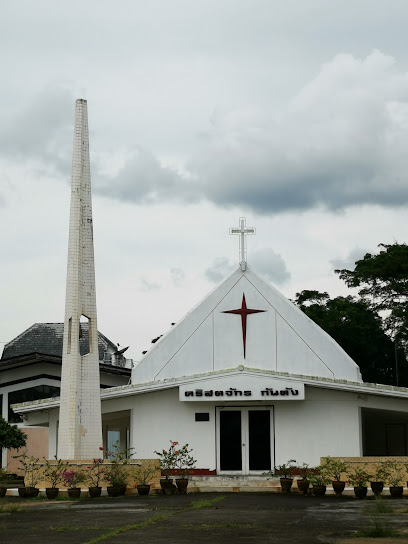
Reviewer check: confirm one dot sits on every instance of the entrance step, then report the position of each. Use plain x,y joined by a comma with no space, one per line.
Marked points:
206,484
246,484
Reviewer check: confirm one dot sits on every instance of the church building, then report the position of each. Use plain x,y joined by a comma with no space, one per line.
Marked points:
245,378
248,381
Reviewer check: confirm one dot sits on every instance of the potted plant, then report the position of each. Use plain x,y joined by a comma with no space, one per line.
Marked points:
334,469
319,480
115,472
53,472
143,474
167,460
381,475
95,474
394,479
184,463
71,479
285,474
359,478
30,469
303,481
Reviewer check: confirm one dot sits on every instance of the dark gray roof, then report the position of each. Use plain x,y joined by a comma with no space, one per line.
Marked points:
46,338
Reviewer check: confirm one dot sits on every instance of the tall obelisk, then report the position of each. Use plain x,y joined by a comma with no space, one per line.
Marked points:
80,425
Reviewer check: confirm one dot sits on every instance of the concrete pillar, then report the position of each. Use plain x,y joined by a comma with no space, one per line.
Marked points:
80,425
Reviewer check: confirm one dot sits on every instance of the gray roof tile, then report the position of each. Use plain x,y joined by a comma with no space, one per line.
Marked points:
47,338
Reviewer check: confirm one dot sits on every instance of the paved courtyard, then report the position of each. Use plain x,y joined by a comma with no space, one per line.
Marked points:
200,518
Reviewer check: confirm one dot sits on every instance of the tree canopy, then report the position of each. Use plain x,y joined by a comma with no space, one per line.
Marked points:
10,436
382,281
358,330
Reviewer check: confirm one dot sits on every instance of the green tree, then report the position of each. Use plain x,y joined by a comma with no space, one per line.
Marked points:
358,330
10,436
382,281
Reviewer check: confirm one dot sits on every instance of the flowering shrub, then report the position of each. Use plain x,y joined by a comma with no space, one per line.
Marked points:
29,468
73,477
95,472
176,458
303,471
53,471
359,477
184,462
286,470
394,477
383,471
334,468
144,472
167,458
318,476
115,473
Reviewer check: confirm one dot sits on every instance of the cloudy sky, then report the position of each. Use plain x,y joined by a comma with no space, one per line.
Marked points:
292,114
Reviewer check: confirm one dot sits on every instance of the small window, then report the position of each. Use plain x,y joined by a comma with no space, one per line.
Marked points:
202,416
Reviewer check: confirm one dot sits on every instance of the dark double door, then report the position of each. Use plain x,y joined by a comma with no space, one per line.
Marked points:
244,440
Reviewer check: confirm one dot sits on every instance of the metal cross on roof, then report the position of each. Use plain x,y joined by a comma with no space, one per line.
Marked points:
242,230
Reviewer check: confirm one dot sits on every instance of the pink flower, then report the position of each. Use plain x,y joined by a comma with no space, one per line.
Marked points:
101,448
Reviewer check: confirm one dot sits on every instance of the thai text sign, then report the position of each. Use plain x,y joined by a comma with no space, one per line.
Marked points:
242,389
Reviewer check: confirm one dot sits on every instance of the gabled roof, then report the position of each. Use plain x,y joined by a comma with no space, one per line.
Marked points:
279,337
47,339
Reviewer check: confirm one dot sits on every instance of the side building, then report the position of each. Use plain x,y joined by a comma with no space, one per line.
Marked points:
30,370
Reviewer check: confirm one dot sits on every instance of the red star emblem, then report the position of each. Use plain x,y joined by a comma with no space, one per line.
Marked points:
243,312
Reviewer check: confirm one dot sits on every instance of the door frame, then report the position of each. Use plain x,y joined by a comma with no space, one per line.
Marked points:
244,437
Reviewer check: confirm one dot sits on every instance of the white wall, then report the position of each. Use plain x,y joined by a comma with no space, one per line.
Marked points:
325,423
160,417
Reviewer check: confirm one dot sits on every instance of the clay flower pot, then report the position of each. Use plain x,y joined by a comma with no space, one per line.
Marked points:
319,490
338,487
167,486
303,486
74,492
286,484
28,492
377,487
51,492
360,491
396,491
182,484
94,491
116,491
143,489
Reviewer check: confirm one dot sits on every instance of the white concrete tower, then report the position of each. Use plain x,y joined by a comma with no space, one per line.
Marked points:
80,425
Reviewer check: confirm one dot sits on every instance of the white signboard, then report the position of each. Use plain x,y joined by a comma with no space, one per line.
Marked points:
242,388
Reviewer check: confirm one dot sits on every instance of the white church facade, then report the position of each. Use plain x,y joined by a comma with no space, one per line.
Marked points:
248,381
245,378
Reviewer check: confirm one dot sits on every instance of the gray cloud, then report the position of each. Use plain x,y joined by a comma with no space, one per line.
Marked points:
146,285
355,255
143,179
339,143
264,261
270,265
177,276
219,270
41,131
